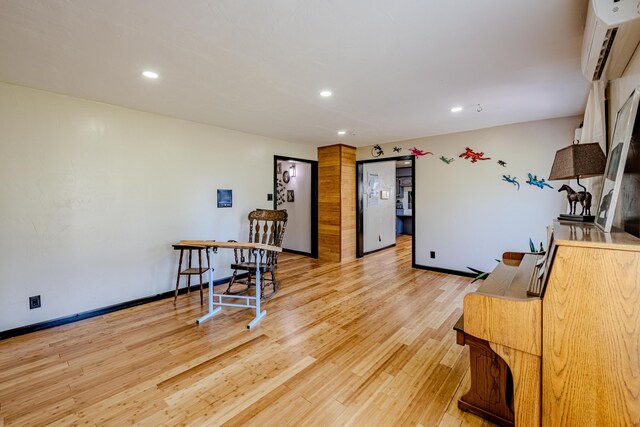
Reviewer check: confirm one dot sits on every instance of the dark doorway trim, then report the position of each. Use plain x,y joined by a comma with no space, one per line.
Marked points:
360,202
314,201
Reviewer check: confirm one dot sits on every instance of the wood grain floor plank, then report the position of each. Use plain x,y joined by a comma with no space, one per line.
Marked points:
367,342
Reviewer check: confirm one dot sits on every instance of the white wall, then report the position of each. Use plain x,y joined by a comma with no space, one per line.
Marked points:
92,196
379,216
464,211
297,235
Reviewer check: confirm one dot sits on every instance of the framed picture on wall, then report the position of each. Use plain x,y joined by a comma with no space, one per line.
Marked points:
290,196
225,198
622,133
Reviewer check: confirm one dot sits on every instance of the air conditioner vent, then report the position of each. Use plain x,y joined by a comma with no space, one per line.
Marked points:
611,35
605,51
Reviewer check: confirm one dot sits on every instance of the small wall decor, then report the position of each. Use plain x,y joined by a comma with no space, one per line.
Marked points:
290,196
285,177
280,192
473,156
584,197
447,161
540,183
397,149
419,153
502,163
373,193
376,151
279,168
225,198
507,178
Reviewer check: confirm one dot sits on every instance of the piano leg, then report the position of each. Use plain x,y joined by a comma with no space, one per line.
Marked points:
526,370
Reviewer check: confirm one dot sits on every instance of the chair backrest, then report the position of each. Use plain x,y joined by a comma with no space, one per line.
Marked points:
267,227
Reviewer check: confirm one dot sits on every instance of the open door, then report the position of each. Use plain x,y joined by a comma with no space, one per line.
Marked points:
295,188
385,191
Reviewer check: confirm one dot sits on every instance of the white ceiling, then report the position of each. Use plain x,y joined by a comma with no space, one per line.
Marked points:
396,67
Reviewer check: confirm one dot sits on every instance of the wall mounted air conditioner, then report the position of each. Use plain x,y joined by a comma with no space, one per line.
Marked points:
611,35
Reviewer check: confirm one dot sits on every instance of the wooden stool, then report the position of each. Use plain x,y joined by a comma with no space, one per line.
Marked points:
191,271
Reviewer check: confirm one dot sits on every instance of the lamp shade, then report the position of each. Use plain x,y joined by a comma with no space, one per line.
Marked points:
578,160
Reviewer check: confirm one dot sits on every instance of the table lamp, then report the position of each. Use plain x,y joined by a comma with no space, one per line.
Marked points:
578,161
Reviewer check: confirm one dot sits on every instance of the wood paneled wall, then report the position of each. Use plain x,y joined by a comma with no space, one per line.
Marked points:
337,203
348,200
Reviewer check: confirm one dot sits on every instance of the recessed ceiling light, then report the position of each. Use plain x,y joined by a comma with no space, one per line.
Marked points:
326,93
342,132
150,74
456,109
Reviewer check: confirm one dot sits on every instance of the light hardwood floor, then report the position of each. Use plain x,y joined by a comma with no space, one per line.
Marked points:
369,342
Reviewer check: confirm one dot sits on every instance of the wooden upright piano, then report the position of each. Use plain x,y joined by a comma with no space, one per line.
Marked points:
567,325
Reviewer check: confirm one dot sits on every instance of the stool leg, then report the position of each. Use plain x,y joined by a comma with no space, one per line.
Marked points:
200,270
175,297
189,275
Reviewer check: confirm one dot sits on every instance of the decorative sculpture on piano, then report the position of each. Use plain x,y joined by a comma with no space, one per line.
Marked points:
584,197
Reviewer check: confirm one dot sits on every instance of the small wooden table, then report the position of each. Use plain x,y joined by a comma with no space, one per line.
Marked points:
253,302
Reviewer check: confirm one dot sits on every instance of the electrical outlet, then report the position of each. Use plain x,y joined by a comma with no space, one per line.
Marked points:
34,302
269,197
433,254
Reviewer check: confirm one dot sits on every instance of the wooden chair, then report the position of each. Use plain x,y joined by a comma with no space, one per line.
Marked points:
189,271
265,226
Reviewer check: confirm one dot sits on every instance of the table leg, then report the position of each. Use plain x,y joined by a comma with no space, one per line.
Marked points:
211,312
259,314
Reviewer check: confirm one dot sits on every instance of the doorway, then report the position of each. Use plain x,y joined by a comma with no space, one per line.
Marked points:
385,205
295,188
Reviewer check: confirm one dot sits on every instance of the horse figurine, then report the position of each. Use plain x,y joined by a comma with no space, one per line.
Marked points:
584,197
